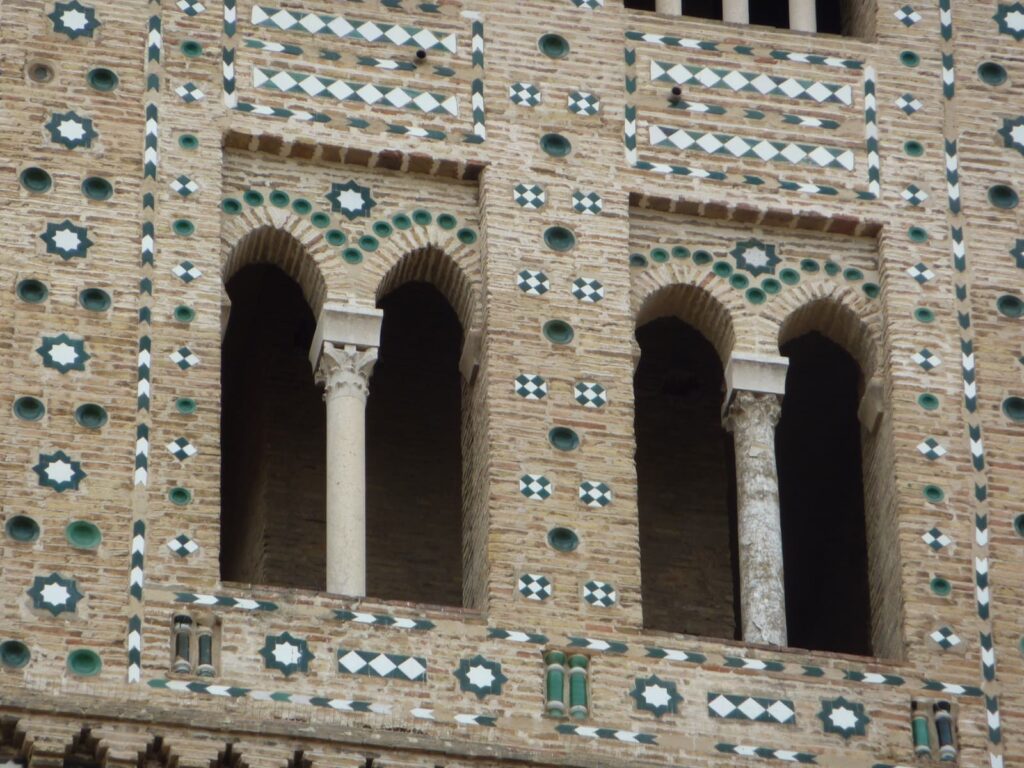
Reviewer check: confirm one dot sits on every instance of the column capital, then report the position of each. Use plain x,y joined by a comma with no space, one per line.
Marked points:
345,371
756,373
345,325
748,408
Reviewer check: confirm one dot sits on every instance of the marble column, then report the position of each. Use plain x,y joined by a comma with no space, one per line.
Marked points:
803,16
751,418
343,353
345,374
672,7
736,11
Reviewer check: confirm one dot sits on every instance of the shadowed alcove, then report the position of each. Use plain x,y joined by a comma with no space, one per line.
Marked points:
413,451
686,487
818,451
273,438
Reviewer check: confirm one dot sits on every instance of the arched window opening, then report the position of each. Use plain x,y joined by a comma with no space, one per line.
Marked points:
686,485
818,454
273,437
414,453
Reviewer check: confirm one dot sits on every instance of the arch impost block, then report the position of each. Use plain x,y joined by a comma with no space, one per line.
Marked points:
751,372
346,325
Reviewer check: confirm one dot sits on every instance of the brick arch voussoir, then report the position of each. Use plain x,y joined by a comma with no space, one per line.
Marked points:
700,300
285,240
840,313
437,257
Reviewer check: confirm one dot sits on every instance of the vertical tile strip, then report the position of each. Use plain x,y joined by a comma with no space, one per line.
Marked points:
972,419
147,251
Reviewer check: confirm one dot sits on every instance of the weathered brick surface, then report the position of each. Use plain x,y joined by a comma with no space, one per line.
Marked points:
129,471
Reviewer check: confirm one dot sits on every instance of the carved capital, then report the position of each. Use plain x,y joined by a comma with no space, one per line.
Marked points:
345,371
752,412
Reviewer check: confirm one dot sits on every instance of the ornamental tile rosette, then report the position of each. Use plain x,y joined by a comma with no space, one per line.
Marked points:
480,676
286,653
843,717
1013,133
63,353
55,594
1010,19
73,19
71,130
351,200
1018,253
57,471
755,257
655,695
66,240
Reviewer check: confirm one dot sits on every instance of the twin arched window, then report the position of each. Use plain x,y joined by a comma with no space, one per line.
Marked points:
273,476
274,436
690,555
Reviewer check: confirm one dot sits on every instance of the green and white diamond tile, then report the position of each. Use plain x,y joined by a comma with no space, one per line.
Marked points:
583,103
524,94
377,664
531,196
765,710
364,93
533,282
614,734
763,149
536,487
531,386
756,82
342,27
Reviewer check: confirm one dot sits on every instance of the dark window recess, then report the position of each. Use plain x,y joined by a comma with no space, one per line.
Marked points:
704,9
818,452
831,14
686,485
84,751
414,451
769,13
273,436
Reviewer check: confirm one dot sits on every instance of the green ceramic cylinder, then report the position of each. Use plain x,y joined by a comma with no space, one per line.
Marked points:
554,689
578,705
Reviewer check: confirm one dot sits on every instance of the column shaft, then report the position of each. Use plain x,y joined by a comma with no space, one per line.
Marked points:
673,7
751,419
803,16
735,11
345,373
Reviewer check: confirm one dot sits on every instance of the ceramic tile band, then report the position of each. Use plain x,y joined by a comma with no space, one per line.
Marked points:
873,188
153,71
271,18
337,705
972,420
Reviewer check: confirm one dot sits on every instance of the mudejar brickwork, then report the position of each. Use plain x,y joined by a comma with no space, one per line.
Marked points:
468,383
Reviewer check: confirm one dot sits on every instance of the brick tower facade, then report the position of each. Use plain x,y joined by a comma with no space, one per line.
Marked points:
473,383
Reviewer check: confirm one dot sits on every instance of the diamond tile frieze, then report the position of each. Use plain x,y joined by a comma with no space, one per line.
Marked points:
755,708
738,146
375,664
756,82
365,93
339,26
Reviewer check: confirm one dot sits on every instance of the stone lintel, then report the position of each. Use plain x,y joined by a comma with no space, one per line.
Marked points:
754,373
346,325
